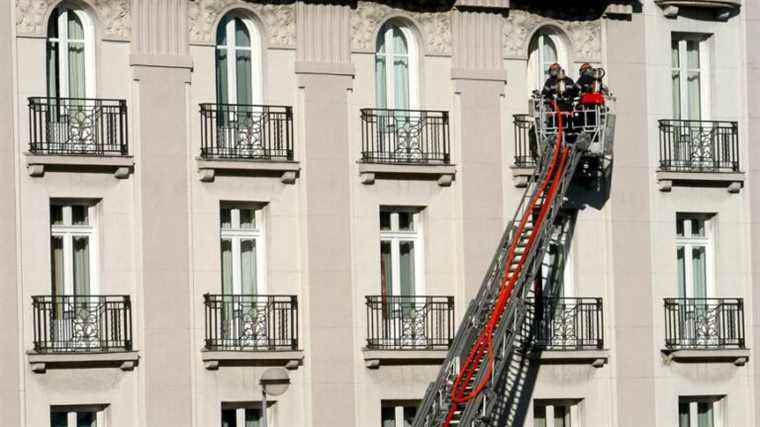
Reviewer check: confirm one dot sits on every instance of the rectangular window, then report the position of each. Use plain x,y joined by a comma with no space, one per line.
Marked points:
700,411
242,249
690,64
241,415
398,413
694,246
73,245
556,413
401,258
78,416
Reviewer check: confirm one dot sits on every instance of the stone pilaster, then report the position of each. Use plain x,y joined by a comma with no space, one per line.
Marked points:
161,71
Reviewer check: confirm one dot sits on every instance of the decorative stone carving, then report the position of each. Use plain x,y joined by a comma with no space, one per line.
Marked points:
585,36
278,19
368,16
112,15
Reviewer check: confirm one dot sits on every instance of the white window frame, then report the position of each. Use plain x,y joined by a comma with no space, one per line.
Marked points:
536,61
703,70
256,61
693,401
67,231
71,414
395,237
398,408
241,407
412,57
573,413
63,42
689,242
236,235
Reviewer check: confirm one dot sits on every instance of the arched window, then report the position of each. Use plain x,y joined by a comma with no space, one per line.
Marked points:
546,48
238,62
70,65
396,67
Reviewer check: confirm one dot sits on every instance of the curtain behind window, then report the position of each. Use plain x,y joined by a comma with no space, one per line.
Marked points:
76,57
243,63
81,265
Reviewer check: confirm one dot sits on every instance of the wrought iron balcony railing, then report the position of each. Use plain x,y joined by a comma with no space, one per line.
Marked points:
704,323
699,146
78,126
410,322
251,322
82,323
565,324
246,132
525,141
405,136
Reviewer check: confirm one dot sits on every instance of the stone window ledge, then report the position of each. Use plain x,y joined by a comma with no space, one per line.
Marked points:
37,164
738,357
287,170
291,360
444,174
521,176
733,181
595,358
373,359
41,362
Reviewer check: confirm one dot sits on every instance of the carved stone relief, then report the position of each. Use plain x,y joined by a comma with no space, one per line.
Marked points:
585,36
368,16
113,17
278,19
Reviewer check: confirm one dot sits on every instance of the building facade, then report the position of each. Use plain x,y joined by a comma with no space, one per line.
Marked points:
198,190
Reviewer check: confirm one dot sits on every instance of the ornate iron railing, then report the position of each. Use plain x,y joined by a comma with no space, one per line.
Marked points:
246,132
525,141
699,146
565,324
704,323
251,322
78,126
82,323
405,136
409,322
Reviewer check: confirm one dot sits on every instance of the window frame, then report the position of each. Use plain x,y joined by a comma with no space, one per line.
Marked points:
71,411
689,242
256,51
399,406
718,408
412,57
395,236
240,409
68,231
683,70
573,411
536,61
60,13
237,235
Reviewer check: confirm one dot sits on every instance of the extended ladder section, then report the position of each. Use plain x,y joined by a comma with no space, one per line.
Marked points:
470,388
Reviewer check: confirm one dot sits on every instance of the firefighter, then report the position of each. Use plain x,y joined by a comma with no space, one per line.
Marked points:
559,85
586,80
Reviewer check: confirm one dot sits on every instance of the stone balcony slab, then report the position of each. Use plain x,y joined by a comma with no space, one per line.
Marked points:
37,164
373,359
287,170
444,174
738,357
41,362
291,360
732,181
595,358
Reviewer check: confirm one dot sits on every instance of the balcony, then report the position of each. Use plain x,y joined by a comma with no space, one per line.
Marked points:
722,9
566,330
705,329
525,150
81,329
251,139
408,328
694,152
257,329
404,144
78,134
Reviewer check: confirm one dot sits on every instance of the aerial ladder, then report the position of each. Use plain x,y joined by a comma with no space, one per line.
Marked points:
475,387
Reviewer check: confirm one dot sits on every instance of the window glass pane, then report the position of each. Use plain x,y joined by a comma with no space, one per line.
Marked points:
386,268
53,70
683,415
699,271
705,414
76,57
247,218
694,87
226,267
79,215
56,257
242,38
243,73
385,220
58,419
248,267
409,413
81,265
405,221
692,54
676,77
401,82
388,416
222,96
381,91
226,217
560,416
549,53
698,227
87,419
76,31
56,214
681,265
406,268
679,226
539,415
252,417
228,418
